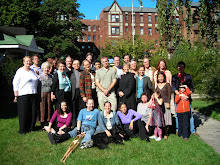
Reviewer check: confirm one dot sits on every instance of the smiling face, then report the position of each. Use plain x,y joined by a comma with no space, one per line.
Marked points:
46,70
160,78
90,104
27,62
61,67
126,58
97,65
126,68
133,65
123,108
68,62
144,99
63,106
89,58
86,65
76,64
107,107
141,71
146,63
104,62
116,61
162,65
35,60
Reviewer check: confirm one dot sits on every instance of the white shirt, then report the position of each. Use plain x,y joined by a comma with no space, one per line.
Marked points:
149,73
108,124
25,82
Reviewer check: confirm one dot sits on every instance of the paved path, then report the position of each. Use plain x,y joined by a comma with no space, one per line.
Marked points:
207,128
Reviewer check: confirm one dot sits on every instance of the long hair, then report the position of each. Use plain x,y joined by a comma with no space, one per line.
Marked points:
164,76
60,111
158,64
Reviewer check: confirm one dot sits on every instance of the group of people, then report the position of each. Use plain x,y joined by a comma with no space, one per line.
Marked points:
137,98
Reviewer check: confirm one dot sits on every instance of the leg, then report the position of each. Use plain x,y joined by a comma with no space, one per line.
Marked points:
49,106
186,125
89,130
155,131
142,130
159,132
34,109
101,99
192,124
112,99
43,106
73,133
180,122
176,117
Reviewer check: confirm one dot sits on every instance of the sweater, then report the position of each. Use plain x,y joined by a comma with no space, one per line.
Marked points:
183,106
60,120
126,119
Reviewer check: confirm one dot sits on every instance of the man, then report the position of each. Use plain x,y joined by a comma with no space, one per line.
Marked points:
89,58
182,78
149,70
86,122
126,58
105,80
36,65
97,64
117,66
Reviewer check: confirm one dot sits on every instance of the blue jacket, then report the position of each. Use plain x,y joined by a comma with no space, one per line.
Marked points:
102,121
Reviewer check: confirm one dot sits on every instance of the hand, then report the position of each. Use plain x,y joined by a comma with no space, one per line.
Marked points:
120,93
131,125
60,131
108,133
184,97
15,100
52,97
122,136
147,127
168,106
105,92
84,99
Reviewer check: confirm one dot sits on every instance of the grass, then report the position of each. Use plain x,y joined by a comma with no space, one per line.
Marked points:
209,108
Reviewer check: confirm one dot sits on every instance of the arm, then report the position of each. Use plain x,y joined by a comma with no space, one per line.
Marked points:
155,77
82,87
78,126
15,83
149,85
97,83
101,122
168,95
169,77
112,84
54,87
148,122
177,99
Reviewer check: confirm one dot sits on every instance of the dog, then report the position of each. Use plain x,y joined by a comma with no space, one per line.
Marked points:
101,140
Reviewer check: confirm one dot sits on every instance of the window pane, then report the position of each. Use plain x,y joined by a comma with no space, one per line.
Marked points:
126,29
155,18
89,38
89,28
126,17
117,30
113,30
113,18
141,31
149,18
141,18
94,38
94,28
117,18
177,20
149,31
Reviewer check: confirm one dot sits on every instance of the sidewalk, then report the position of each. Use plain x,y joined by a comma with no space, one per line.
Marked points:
207,128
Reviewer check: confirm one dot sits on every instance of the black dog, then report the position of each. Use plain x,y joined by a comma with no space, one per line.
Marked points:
101,140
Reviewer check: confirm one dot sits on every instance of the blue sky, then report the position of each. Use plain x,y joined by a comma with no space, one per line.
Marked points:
92,8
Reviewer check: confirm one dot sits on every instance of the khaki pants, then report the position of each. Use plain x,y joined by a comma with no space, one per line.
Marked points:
111,98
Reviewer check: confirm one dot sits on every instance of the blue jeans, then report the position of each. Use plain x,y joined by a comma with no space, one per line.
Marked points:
89,130
192,125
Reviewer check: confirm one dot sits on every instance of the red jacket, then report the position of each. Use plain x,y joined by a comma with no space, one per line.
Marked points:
182,106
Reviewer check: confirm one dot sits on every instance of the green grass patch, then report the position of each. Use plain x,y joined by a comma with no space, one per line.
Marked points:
209,108
35,148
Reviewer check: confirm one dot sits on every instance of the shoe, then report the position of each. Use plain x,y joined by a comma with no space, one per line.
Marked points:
153,137
186,139
196,134
158,139
82,146
181,137
165,137
51,137
176,132
148,140
89,144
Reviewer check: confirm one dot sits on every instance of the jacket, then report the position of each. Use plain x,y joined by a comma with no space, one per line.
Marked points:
183,106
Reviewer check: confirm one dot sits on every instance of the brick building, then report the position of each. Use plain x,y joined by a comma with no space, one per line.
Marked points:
115,22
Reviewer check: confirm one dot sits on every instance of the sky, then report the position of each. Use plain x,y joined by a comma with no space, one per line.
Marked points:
92,8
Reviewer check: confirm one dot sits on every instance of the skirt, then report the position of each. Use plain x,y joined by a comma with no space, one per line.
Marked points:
167,115
157,117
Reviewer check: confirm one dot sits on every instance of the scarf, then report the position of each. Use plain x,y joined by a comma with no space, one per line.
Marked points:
64,82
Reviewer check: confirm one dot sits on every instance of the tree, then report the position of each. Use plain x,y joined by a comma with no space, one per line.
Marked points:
124,45
58,27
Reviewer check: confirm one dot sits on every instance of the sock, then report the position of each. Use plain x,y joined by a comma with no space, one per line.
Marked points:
155,131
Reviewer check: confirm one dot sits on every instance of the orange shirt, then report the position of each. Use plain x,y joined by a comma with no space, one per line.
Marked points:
182,106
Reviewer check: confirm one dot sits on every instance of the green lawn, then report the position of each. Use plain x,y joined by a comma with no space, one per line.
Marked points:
209,108
35,148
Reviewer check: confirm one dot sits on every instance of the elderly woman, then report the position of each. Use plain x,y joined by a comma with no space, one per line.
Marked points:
126,90
61,86
107,119
162,66
133,67
25,84
46,83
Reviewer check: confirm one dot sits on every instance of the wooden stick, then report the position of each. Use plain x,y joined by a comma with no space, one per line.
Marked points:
73,146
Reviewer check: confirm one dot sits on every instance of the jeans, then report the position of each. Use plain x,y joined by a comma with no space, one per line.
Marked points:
183,120
89,130
192,125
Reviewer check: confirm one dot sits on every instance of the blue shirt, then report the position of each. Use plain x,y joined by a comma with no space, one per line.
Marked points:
140,87
88,117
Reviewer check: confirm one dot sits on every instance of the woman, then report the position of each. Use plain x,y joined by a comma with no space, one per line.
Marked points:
61,87
87,84
165,91
25,84
143,84
131,120
145,112
46,83
133,67
126,90
162,66
63,117
107,119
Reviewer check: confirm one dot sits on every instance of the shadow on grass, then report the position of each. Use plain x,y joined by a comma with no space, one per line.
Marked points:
8,108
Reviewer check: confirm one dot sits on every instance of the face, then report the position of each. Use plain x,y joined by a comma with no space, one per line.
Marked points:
68,62
107,107
89,58
90,104
141,71
123,108
27,62
64,106
144,98
46,69
117,61
61,67
54,63
104,62
160,78
97,65
162,65
126,68
146,63
182,89
76,64
133,65
86,65
180,68
35,60
126,58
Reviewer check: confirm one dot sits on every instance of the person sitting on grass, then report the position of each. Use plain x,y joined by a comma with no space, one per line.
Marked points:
63,117
86,122
183,112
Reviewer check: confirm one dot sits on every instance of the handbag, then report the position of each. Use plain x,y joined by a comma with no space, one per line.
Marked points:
151,104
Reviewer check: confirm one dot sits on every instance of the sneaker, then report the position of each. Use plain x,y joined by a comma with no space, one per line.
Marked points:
153,137
89,144
82,146
158,139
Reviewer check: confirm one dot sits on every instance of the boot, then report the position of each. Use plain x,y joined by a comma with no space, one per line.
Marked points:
55,138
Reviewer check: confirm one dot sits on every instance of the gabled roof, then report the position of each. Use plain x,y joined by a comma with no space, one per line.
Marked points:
113,4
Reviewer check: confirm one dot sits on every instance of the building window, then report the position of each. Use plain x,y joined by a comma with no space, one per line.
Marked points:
89,28
115,18
155,18
156,30
94,28
149,19
141,18
141,31
150,31
126,29
89,38
94,38
177,20
115,30
83,38
98,28
126,16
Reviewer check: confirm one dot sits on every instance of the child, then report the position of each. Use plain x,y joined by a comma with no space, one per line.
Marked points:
183,112
157,115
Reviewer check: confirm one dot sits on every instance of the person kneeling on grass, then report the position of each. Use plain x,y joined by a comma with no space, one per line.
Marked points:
86,122
183,112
